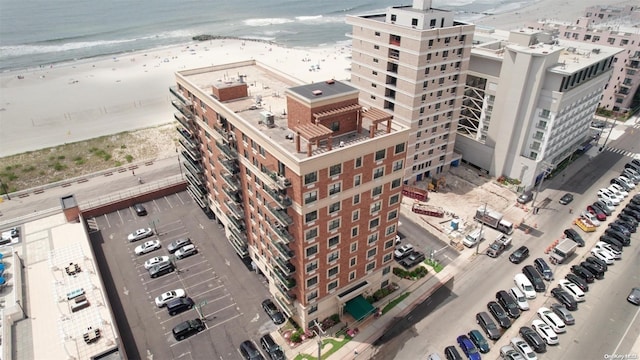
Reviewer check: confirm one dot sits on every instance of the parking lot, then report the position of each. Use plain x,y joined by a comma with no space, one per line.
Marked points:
226,294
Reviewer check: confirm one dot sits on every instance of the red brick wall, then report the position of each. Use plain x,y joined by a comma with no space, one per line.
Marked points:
230,92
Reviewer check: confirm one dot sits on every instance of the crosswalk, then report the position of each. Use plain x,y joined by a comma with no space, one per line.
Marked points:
622,152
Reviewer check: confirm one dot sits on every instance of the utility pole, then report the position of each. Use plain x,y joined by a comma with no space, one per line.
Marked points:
608,134
319,333
546,171
484,213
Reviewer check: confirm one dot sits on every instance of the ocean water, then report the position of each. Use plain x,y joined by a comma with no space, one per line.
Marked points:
41,32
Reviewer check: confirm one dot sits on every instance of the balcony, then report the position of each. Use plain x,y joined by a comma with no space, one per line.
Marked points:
280,215
231,194
183,109
196,184
286,281
195,170
238,224
197,196
285,303
223,133
193,155
281,200
238,245
229,165
232,182
282,233
287,268
181,119
235,210
287,296
238,234
542,125
229,152
195,162
174,91
283,250
538,137
186,136
278,180
189,145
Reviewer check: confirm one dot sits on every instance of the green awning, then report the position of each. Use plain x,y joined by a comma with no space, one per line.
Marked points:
359,308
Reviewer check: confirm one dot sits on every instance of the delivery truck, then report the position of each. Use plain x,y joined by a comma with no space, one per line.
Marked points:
493,219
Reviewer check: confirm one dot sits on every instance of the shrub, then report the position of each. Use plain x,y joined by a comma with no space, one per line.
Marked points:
129,158
29,168
118,163
123,146
296,337
58,166
61,157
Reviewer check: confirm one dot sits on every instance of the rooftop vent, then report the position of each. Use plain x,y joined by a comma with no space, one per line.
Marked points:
317,92
331,82
596,51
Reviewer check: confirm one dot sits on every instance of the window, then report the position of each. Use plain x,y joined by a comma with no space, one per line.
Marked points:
312,281
376,206
352,276
354,247
397,165
390,230
386,258
354,231
376,191
378,173
353,261
373,223
332,285
393,17
312,216
380,154
396,183
334,241
445,54
357,180
377,47
371,253
334,188
399,148
431,41
310,178
414,22
310,197
334,224
333,256
355,215
386,270
358,162
311,234
372,238
392,215
377,33
312,295
394,199
335,170
312,266
332,272
356,199
335,207
311,250
371,266
388,244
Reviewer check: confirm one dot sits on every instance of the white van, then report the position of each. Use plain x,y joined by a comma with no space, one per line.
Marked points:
473,238
523,283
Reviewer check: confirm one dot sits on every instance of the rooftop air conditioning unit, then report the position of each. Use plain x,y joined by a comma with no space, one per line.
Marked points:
268,119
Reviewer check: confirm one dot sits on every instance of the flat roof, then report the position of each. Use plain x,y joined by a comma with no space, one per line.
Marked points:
322,90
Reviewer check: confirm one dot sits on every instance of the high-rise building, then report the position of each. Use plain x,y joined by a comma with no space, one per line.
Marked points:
607,26
411,61
529,100
306,182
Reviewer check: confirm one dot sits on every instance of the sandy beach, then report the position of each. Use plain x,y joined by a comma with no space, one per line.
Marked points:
74,101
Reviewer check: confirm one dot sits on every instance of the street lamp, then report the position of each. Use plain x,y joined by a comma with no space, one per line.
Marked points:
546,171
319,334
608,134
484,213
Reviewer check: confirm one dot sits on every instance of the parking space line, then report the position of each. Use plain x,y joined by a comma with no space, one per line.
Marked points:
196,274
188,353
219,310
173,317
212,289
107,218
182,268
218,298
120,216
155,204
166,198
208,328
203,282
145,283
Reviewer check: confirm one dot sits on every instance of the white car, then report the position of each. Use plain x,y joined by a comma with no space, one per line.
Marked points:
603,255
606,194
627,180
589,216
521,300
155,261
403,251
601,245
618,190
148,246
164,298
140,234
186,251
572,289
545,331
523,348
508,352
523,283
551,319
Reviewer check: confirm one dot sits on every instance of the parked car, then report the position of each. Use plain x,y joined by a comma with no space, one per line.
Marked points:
632,213
479,341
523,283
622,238
178,305
534,276
498,313
616,244
606,205
488,326
582,283
177,244
519,255
523,348
604,255
525,197
403,251
140,209
273,312
147,247
520,298
597,262
140,234
563,313
599,214
155,261
566,199
187,328
507,352
545,331
617,253
597,272
468,348
600,205
564,298
186,251
533,339
583,273
606,194
551,319
543,268
589,216
273,350
161,269
622,227
634,296
508,303
618,190
451,353
162,299
573,235
249,351
415,258
621,183
633,206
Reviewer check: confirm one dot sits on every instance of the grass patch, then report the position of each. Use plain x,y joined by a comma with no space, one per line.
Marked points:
29,168
395,302
436,266
336,345
129,158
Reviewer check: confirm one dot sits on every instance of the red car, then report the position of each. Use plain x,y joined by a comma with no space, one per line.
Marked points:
600,215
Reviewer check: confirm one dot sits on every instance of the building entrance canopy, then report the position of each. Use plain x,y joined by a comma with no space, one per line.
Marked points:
359,308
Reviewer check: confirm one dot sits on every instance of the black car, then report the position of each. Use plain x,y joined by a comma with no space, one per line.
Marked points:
534,276
583,273
597,262
600,206
633,213
595,270
249,351
178,305
580,282
273,312
140,209
520,254
187,328
625,225
508,303
564,298
620,183
624,240
451,353
612,241
498,313
271,348
415,258
573,235
566,198
177,244
488,326
633,206
635,200
533,339
564,314
543,269
628,218
161,269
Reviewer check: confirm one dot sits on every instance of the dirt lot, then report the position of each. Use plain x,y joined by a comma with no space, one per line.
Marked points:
37,168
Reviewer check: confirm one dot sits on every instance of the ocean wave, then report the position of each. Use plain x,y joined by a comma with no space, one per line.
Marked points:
21,50
319,19
266,21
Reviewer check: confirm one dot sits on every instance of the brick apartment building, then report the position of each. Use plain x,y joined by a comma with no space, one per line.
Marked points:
306,182
412,61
